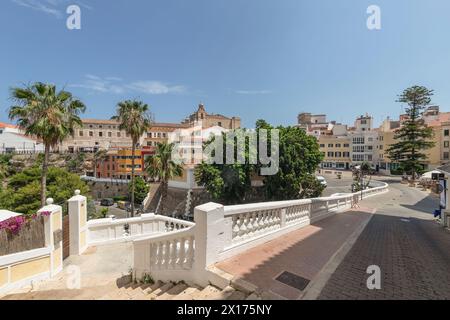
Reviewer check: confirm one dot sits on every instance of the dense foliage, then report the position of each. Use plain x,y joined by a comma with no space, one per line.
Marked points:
23,189
141,190
299,156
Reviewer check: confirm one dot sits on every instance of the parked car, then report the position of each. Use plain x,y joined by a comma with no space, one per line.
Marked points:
322,180
107,202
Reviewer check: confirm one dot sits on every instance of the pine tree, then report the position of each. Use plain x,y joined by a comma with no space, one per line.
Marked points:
413,137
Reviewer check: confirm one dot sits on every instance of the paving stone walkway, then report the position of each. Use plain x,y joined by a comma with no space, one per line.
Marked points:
412,251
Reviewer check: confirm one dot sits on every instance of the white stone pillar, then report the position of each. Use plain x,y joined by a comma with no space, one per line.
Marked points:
53,235
78,223
210,237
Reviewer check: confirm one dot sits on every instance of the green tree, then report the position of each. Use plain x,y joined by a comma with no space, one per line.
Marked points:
48,115
229,183
414,136
299,158
22,193
141,190
161,166
135,120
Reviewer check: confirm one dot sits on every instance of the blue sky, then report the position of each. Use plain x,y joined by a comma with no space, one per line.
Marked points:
267,59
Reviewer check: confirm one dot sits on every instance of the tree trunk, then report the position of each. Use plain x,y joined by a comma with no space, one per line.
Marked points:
44,175
133,151
164,187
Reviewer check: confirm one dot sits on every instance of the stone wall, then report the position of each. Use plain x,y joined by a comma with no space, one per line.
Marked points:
101,190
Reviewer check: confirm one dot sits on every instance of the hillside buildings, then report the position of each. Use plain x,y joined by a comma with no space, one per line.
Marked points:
344,147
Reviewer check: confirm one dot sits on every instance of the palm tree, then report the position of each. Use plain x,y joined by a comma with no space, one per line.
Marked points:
135,120
48,115
162,166
100,156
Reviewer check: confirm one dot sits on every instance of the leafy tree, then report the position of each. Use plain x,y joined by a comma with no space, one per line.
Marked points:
414,136
360,174
48,115
141,190
299,158
161,166
24,188
228,183
135,120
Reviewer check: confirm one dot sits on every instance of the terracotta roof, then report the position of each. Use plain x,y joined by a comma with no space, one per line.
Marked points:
170,125
98,121
7,125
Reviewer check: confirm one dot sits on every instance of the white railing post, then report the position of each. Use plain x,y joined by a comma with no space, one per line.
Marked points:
53,235
283,217
210,236
78,223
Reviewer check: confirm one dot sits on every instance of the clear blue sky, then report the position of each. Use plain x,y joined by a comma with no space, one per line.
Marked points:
255,59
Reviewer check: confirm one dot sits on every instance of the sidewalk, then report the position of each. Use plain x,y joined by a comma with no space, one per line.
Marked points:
304,253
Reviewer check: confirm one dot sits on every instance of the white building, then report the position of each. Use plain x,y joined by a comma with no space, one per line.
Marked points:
12,141
364,141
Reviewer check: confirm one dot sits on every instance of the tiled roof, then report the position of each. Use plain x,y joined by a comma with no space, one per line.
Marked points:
8,125
99,121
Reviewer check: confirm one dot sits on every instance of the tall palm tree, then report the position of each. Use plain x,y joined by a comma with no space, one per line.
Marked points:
135,120
48,115
161,166
100,156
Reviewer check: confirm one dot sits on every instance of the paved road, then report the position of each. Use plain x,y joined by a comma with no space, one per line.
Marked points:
412,251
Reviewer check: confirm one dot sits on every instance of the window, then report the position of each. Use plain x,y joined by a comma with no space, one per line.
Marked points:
338,154
381,147
369,157
446,132
446,144
369,147
219,124
358,140
91,133
322,145
100,134
358,148
330,145
363,121
330,154
80,133
346,154
338,145
109,134
446,155
346,145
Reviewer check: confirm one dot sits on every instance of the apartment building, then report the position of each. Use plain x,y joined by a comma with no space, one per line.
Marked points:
336,151
211,120
159,132
118,164
95,135
364,141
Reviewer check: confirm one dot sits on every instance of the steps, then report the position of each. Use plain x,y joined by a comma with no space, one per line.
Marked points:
134,291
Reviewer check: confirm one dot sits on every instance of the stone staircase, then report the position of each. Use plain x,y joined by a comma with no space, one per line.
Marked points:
134,291
174,291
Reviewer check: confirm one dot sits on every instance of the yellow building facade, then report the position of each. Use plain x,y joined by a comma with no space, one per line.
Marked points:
336,151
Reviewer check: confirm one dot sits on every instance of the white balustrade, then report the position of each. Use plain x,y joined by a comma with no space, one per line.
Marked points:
180,250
